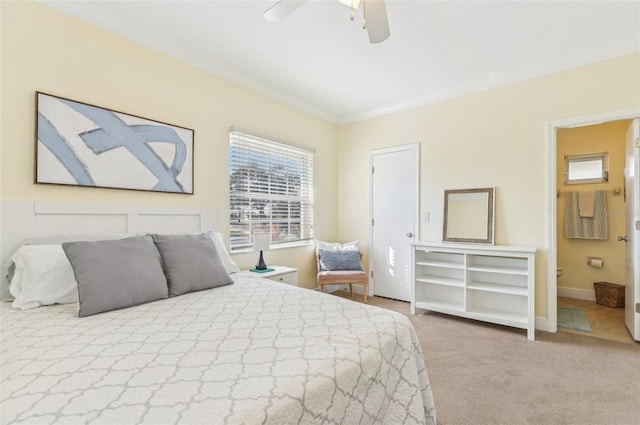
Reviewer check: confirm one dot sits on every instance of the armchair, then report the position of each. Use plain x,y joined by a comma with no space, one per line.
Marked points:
332,269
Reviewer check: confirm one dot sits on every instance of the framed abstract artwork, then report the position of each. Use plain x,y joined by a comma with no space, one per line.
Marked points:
84,145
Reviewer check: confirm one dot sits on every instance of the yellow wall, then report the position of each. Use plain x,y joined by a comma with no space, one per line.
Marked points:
573,253
45,50
494,138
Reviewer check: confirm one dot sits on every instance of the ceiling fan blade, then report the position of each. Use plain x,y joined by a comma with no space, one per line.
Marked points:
282,9
377,23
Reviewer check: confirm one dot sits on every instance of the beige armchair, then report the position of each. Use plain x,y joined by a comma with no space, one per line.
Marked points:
351,277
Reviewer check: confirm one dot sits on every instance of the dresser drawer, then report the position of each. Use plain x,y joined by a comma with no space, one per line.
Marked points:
290,278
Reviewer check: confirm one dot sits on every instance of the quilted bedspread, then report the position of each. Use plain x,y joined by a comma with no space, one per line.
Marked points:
256,352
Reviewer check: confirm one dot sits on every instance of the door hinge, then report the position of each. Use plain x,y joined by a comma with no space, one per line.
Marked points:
371,274
638,143
373,170
372,222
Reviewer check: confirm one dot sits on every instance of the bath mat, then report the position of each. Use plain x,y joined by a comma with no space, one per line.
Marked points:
573,318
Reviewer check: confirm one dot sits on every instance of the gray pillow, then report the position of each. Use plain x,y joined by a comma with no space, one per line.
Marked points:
339,260
191,263
115,274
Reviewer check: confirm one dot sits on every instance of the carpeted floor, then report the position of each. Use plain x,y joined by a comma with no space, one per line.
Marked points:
488,374
573,318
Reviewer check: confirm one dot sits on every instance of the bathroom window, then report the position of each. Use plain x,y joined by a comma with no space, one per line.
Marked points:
586,168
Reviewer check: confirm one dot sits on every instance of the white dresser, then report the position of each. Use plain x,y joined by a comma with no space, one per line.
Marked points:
483,282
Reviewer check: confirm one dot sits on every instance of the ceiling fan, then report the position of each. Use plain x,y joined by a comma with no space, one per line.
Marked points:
374,12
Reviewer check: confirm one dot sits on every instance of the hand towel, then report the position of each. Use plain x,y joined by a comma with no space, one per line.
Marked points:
596,227
586,203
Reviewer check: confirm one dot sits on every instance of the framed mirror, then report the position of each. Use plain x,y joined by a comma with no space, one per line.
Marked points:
468,215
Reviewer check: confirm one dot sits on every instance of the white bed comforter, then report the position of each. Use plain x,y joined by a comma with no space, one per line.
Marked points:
256,352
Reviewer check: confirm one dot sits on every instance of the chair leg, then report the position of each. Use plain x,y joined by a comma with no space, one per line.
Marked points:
364,291
351,289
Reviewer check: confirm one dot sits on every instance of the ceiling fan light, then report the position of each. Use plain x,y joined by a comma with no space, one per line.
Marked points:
354,4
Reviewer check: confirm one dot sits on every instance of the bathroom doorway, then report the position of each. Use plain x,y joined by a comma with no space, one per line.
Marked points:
584,256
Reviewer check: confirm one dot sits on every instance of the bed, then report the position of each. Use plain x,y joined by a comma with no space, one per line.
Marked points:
251,352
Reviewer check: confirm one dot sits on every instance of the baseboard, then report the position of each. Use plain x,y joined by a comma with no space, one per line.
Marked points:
337,287
578,294
357,289
542,324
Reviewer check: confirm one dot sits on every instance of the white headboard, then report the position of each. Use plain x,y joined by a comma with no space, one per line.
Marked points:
20,220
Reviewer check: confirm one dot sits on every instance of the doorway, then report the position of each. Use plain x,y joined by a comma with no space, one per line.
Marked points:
579,294
394,219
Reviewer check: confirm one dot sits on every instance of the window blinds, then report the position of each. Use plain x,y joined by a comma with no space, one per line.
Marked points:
271,190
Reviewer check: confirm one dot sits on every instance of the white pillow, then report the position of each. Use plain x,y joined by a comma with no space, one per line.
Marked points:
58,240
334,246
228,262
43,276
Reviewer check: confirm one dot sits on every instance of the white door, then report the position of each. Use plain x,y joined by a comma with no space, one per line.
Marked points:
632,184
394,208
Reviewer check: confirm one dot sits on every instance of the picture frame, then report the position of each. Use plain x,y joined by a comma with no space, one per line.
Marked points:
79,144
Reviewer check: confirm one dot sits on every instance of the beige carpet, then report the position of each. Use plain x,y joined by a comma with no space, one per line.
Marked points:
488,374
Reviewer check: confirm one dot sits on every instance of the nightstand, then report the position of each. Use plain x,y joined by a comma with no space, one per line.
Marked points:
287,275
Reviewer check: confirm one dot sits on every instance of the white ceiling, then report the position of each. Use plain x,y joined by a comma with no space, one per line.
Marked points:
320,62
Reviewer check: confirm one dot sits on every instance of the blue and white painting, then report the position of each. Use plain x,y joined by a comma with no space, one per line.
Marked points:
85,145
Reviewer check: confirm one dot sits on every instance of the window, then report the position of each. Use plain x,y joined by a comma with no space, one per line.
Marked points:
587,168
271,190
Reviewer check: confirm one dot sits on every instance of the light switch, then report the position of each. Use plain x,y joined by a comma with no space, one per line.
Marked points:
425,217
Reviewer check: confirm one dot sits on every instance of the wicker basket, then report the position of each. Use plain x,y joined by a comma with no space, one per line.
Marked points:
609,294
